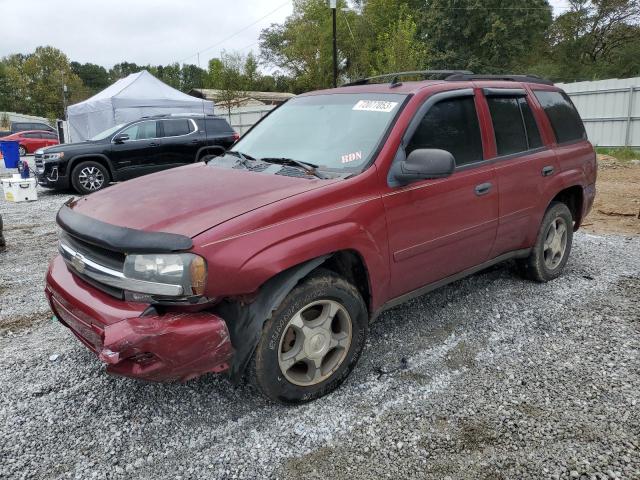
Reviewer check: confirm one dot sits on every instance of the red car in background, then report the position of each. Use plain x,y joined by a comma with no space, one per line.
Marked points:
31,140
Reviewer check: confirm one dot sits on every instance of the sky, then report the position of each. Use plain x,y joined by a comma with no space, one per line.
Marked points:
156,32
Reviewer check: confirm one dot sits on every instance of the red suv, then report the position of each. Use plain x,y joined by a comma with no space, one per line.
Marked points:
32,140
272,259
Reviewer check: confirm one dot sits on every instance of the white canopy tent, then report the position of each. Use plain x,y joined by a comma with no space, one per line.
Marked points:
130,98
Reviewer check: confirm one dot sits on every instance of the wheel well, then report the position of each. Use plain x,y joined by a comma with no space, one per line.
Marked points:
572,198
350,265
99,160
213,150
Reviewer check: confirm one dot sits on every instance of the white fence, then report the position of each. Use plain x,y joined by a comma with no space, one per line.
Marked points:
243,118
610,110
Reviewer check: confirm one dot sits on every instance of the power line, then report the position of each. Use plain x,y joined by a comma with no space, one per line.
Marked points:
236,32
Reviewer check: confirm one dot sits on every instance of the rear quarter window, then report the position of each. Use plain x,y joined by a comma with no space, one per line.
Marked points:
217,126
563,116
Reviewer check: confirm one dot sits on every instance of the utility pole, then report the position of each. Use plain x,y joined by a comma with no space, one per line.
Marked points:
333,5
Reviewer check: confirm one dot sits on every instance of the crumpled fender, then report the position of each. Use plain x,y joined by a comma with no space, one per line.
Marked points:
245,321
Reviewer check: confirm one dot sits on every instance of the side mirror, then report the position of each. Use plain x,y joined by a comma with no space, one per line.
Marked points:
123,137
425,163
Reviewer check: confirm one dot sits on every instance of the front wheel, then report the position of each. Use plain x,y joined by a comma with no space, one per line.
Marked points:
553,245
312,341
88,177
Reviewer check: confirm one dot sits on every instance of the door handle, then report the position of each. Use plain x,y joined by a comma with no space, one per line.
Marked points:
483,188
154,144
548,170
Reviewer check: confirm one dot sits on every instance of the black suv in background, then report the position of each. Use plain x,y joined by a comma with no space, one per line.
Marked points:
133,149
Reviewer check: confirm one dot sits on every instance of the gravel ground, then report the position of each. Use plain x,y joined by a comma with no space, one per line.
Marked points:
491,377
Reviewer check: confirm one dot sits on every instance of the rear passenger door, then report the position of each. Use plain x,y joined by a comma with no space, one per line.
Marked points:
522,164
181,140
440,227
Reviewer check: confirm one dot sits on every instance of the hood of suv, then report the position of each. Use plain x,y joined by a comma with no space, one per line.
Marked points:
191,199
73,147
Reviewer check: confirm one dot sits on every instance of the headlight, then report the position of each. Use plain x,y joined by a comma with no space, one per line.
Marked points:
184,269
53,156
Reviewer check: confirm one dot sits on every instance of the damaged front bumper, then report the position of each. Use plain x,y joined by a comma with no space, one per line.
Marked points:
167,347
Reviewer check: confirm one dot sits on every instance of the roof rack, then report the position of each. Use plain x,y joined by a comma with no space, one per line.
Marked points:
427,74
450,76
462,77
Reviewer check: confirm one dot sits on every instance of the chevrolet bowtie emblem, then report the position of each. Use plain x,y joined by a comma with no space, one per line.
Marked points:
78,262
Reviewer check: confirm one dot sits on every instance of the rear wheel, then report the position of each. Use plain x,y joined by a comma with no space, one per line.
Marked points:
312,341
88,177
22,150
553,245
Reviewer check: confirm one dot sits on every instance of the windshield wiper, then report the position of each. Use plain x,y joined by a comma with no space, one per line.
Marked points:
306,166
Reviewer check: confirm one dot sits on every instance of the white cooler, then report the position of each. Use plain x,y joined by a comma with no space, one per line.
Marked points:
18,189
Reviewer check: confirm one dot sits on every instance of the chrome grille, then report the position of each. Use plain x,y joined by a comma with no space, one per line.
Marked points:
39,161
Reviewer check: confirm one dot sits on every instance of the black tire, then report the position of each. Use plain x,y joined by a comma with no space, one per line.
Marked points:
22,151
540,266
82,175
264,369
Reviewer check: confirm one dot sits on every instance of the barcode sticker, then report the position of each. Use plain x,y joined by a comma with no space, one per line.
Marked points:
375,106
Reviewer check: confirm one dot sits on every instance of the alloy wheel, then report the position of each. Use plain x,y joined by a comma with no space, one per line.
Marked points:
315,342
555,243
91,178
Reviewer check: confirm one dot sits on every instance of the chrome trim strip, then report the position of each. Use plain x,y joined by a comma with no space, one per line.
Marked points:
114,278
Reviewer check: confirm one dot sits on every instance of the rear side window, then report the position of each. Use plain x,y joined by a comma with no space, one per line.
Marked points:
31,135
451,125
216,126
513,124
175,128
564,118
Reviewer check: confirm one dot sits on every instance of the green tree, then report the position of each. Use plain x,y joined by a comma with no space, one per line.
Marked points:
485,36
594,39
192,77
94,77
124,69
38,80
251,73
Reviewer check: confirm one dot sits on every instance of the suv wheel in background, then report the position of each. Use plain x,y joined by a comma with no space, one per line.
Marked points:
553,245
312,341
88,177
22,151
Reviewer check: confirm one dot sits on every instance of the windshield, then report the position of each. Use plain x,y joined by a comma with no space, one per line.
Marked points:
335,131
108,132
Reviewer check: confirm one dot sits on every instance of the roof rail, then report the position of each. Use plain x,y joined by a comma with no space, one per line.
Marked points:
427,74
462,77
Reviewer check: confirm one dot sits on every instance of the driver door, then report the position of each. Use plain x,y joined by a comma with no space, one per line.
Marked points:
140,153
440,227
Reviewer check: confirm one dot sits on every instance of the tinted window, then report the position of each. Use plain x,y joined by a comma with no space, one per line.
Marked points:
50,136
451,125
217,126
31,135
174,128
508,126
141,131
533,134
563,116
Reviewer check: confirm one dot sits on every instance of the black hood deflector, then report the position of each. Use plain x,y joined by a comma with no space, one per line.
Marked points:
119,239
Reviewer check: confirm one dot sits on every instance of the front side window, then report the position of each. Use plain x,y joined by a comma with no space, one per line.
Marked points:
141,131
564,118
451,125
338,131
175,128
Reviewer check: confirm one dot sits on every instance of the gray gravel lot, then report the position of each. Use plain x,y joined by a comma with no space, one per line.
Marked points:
491,377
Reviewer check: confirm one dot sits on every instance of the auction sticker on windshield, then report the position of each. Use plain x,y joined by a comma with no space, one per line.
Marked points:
375,106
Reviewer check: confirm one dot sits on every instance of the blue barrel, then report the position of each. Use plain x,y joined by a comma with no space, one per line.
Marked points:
11,153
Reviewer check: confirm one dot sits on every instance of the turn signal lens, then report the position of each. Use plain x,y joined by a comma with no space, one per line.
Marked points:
198,271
